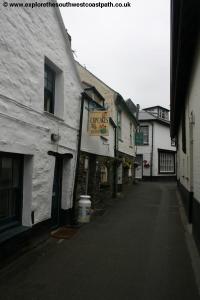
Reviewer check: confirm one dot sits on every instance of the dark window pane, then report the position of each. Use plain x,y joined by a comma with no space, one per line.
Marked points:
10,188
6,171
16,172
145,131
49,88
4,204
166,162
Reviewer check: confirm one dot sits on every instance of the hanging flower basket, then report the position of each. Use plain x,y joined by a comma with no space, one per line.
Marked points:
146,164
127,163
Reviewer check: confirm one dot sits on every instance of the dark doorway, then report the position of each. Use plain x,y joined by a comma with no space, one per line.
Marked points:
57,193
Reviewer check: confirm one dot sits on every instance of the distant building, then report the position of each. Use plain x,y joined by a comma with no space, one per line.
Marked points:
156,152
40,104
117,151
96,168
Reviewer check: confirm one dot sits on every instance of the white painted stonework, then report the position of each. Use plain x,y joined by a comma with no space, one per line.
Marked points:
124,144
189,162
161,140
110,102
28,37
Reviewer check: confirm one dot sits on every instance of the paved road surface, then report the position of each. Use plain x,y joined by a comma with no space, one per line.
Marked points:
136,251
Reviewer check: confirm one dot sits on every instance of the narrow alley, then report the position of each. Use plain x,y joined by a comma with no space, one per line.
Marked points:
136,250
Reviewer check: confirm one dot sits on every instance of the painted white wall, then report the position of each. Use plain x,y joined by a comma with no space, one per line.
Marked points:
146,150
27,37
124,143
110,96
161,140
185,172
96,144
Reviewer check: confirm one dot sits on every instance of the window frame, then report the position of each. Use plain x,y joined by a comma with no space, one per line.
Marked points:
174,161
183,127
47,92
131,134
173,142
147,126
17,218
119,124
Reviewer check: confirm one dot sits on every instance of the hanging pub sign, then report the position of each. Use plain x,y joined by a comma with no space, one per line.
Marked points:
99,123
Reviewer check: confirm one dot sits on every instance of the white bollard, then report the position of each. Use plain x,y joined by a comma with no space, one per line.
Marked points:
84,210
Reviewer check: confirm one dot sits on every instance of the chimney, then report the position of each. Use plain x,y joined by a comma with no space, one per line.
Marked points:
137,111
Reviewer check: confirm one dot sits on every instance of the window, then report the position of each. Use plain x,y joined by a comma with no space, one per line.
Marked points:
162,114
166,161
145,131
49,89
183,132
10,188
131,134
119,124
173,142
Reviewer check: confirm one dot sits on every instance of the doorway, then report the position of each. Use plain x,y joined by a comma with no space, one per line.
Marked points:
57,192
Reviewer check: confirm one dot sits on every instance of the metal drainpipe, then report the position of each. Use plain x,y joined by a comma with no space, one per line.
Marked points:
115,164
152,150
73,220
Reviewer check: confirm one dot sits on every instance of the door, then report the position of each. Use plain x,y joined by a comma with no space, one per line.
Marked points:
138,169
56,196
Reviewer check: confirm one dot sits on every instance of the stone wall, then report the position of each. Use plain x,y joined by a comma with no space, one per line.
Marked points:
101,193
28,38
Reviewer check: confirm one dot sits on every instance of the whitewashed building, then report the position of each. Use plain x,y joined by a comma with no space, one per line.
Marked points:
185,104
120,144
95,174
40,100
156,154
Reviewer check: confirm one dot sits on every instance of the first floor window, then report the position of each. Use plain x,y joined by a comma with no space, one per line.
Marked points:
166,162
119,124
49,89
10,188
131,134
173,142
145,132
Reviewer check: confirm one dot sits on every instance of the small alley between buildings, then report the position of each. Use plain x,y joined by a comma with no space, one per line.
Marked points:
139,249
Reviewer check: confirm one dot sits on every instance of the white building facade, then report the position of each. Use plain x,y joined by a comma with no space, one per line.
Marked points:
40,104
120,144
185,106
156,154
125,125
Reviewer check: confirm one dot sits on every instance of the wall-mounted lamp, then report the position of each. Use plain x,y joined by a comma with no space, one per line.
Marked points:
55,137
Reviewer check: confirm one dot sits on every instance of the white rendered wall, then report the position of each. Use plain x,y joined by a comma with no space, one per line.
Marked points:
192,106
124,143
102,88
162,140
146,150
27,37
110,97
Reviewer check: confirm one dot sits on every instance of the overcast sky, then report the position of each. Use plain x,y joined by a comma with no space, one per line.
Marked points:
127,48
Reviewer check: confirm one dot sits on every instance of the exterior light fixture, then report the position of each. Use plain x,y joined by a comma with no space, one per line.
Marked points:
55,137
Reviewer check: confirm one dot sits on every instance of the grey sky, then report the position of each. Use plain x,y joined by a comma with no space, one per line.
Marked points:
128,48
